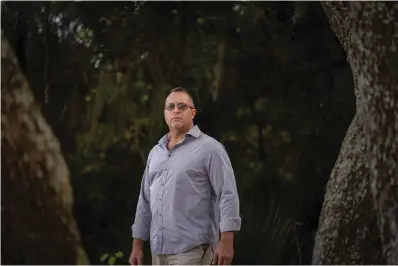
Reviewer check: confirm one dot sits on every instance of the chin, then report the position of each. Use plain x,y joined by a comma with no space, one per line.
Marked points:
176,125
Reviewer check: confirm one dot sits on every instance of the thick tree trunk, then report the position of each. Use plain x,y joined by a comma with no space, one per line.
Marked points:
348,232
38,226
363,189
375,57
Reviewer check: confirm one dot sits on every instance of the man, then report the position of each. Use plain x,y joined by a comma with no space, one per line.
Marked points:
188,195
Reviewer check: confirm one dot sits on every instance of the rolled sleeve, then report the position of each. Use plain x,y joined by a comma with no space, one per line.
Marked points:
227,225
222,178
141,227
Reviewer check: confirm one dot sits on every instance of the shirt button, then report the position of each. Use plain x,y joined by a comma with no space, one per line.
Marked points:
169,155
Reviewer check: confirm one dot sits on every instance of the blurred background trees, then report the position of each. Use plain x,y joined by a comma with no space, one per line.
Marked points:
269,80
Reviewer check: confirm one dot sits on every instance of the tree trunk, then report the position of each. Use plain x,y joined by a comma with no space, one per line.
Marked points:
376,62
359,218
347,232
38,226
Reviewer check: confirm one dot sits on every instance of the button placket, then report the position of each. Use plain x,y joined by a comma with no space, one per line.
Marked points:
169,155
161,199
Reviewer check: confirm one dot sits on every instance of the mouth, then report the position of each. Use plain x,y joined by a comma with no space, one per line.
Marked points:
175,118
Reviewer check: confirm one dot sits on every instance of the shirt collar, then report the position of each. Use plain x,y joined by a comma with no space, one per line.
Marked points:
194,132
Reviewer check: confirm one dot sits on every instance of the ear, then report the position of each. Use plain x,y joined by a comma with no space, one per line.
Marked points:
193,113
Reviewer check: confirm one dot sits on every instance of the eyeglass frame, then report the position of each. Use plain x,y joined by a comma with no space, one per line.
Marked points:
186,106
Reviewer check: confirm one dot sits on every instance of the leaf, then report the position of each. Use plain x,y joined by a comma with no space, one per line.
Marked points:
127,134
260,104
285,136
119,254
144,98
104,257
111,260
87,169
93,167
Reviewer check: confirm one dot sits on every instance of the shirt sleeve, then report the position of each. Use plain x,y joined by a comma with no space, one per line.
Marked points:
143,216
222,178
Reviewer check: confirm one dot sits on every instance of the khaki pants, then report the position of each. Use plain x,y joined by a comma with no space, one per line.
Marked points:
200,255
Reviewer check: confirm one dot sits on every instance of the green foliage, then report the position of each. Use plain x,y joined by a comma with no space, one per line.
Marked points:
111,258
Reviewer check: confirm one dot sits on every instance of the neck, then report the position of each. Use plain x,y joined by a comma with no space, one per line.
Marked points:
178,134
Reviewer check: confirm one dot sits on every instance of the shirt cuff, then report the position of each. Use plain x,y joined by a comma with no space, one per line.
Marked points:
140,234
230,224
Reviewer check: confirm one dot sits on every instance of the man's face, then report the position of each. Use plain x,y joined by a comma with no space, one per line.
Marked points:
179,112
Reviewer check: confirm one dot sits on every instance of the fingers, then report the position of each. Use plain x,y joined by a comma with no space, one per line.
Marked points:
133,261
139,260
136,261
220,260
224,260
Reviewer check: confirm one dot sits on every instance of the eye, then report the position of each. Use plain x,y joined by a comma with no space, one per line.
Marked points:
170,106
182,106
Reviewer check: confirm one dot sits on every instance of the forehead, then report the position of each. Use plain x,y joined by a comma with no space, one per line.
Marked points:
178,96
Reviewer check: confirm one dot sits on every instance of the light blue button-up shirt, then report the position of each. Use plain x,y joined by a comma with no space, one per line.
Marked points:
188,195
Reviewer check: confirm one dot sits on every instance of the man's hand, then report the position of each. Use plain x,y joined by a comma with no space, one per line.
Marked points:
137,255
224,252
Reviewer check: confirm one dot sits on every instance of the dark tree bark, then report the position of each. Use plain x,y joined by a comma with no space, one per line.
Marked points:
359,218
38,226
376,60
347,232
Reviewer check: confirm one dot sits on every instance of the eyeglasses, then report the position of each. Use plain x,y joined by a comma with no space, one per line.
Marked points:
180,106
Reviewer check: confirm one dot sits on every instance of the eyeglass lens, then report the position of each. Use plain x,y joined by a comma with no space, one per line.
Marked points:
180,106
